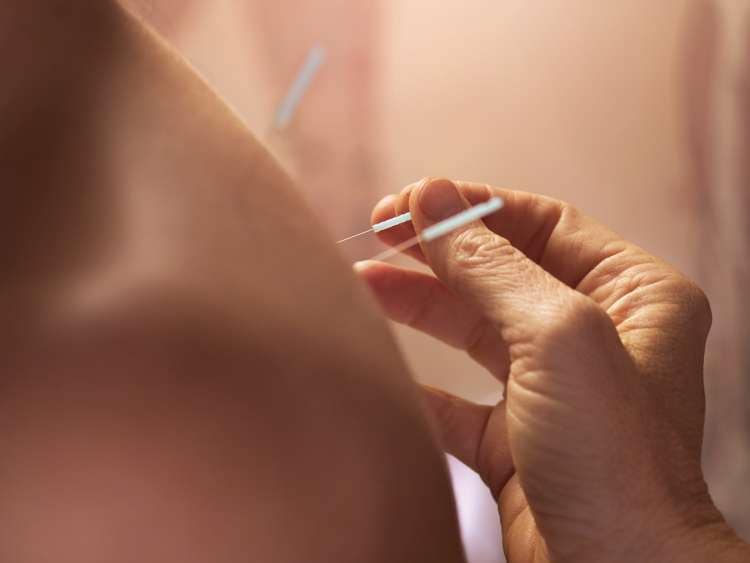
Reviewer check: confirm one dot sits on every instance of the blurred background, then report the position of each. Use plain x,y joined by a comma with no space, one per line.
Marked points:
637,112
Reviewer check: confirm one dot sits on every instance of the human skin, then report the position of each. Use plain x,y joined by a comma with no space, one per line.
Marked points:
559,123
189,370
594,455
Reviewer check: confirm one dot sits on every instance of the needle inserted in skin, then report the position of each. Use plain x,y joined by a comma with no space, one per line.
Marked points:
288,106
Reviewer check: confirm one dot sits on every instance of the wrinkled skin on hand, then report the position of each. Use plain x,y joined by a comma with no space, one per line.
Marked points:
594,455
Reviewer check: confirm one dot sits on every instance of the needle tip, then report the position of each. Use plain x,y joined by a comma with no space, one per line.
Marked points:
354,236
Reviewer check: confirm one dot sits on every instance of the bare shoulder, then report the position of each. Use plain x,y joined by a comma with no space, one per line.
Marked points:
188,368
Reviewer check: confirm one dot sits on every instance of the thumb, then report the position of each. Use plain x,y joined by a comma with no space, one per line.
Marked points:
484,269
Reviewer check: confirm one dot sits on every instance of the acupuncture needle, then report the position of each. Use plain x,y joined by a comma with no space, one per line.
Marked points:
288,106
382,226
444,227
434,231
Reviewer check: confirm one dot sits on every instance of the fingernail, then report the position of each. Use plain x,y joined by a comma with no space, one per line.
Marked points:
439,199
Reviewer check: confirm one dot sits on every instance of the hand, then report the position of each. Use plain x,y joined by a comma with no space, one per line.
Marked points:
594,455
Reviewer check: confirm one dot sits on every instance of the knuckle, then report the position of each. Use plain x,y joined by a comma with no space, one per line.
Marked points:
480,247
585,315
575,317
